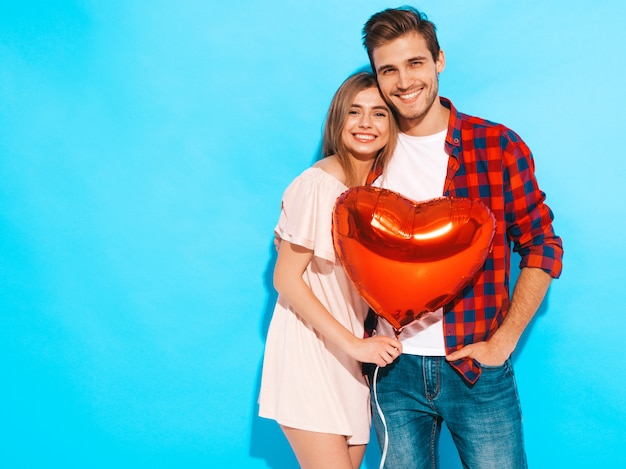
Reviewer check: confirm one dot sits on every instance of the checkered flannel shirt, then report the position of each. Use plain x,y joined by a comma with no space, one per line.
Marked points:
491,163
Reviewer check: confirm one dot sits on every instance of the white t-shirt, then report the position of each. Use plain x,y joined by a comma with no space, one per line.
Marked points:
417,170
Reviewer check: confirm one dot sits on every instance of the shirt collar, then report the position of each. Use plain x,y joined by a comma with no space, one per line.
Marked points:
453,138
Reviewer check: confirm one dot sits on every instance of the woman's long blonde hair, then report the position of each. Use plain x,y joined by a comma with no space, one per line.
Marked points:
332,143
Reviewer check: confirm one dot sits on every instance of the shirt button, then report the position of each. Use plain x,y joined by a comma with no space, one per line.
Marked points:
456,140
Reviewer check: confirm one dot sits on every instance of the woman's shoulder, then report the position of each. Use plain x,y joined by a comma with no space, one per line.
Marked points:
331,166
313,183
317,183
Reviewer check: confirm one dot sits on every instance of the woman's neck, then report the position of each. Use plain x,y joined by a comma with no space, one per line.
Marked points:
362,169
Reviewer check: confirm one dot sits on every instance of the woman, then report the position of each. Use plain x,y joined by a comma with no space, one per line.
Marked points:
312,383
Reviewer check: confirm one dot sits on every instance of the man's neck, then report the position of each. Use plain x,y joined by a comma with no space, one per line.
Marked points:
434,121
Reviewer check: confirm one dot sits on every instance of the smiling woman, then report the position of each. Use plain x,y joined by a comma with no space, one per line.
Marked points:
312,383
366,129
359,132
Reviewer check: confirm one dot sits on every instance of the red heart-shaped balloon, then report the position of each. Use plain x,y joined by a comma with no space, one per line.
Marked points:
407,258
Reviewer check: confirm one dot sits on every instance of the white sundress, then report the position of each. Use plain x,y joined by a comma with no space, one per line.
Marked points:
307,383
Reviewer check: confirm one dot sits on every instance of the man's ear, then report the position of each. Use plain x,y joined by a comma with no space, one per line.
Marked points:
441,61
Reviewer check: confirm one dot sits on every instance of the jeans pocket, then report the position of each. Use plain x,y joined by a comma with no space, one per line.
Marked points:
505,368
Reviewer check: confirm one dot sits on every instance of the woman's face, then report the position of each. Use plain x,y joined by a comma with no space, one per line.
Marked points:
366,129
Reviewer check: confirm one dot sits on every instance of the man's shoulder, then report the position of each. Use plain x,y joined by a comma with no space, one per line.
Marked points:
483,133
481,127
470,122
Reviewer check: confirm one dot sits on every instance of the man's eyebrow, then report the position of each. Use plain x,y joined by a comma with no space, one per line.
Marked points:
417,57
410,59
383,67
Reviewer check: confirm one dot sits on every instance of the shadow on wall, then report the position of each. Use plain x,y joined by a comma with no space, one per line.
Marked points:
267,441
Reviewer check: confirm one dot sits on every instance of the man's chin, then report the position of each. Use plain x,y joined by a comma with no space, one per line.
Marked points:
411,117
412,114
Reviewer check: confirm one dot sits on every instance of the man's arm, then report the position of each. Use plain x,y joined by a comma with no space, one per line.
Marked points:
530,290
529,227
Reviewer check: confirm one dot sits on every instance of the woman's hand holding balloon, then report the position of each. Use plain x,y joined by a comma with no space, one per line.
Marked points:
380,350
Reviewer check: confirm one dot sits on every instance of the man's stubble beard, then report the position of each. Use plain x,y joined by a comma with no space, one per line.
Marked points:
432,97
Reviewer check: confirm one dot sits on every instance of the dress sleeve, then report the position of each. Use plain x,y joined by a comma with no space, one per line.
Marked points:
306,212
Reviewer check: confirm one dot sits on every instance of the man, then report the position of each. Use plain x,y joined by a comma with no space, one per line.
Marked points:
455,364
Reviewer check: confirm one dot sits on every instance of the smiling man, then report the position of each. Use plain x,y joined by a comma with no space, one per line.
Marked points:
408,76
455,364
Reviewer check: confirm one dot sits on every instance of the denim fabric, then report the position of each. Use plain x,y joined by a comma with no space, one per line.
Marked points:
417,393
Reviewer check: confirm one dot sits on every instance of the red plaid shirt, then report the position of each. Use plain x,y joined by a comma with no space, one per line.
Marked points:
491,163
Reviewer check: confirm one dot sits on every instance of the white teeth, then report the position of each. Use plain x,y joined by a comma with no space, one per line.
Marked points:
364,137
409,96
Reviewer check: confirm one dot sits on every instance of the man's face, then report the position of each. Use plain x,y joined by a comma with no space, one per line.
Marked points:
408,77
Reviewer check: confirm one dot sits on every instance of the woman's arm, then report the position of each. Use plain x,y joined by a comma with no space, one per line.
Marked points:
290,266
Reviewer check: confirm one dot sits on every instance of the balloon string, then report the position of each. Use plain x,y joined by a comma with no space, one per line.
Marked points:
382,418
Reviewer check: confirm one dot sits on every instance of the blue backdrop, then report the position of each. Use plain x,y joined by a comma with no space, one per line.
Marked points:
144,148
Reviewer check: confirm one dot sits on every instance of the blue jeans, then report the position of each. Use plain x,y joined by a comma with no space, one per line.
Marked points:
417,393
